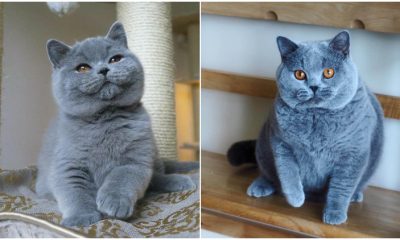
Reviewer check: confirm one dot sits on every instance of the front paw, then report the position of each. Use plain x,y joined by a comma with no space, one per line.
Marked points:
334,217
81,219
357,197
115,205
295,199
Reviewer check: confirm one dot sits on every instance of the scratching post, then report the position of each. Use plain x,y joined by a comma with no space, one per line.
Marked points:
149,30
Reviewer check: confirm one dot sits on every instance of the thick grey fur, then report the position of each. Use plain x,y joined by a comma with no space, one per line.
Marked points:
99,155
326,143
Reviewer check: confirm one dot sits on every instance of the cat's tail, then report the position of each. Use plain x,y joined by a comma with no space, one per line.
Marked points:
180,167
242,152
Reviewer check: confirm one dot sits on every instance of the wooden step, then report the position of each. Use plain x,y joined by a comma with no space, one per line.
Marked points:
224,197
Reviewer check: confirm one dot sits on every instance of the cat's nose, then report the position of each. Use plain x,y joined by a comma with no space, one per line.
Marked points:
314,88
104,71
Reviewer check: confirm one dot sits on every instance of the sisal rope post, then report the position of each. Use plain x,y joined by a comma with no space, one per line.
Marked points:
149,30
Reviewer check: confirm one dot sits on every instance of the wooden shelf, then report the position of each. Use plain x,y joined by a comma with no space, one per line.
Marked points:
231,226
264,87
377,16
224,197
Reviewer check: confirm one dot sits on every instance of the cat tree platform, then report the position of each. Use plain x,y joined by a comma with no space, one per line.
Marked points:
228,210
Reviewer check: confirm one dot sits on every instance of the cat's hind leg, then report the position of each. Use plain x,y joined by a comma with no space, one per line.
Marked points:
171,183
180,167
260,187
41,188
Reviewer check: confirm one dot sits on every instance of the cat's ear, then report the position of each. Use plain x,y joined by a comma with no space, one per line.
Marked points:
341,43
286,46
57,51
117,33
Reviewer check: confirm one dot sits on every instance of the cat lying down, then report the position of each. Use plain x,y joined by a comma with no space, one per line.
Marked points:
99,155
323,138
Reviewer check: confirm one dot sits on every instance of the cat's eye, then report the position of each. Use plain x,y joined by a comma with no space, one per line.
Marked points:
82,68
300,75
115,59
329,73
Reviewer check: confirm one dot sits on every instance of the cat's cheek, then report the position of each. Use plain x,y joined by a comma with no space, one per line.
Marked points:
91,86
120,78
326,93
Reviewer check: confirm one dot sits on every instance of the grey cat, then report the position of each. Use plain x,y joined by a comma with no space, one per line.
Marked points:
323,138
99,155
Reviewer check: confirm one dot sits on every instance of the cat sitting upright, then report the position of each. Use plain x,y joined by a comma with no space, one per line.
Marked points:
323,138
99,155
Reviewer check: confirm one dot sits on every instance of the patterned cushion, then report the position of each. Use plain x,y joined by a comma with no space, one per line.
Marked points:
157,215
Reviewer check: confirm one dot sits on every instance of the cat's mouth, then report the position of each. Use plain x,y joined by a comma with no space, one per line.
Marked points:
314,102
323,94
105,89
109,91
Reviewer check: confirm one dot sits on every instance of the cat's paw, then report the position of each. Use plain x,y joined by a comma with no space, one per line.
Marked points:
177,183
260,188
81,220
115,205
295,199
334,217
357,197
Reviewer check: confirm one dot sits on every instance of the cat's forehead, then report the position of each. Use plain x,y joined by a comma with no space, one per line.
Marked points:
93,48
313,54
315,48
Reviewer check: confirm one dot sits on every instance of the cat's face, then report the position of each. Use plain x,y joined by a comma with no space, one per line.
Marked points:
95,73
317,74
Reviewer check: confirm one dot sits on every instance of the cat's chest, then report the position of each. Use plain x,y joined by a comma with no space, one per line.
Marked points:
112,139
313,139
106,141
312,131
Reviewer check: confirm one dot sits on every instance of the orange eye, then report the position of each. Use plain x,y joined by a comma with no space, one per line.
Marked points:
82,68
299,75
328,73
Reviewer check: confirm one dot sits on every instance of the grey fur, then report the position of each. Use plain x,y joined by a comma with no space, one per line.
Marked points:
99,155
326,143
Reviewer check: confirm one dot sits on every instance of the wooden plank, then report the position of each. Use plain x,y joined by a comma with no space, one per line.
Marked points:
390,105
381,17
185,122
265,87
224,190
253,86
240,229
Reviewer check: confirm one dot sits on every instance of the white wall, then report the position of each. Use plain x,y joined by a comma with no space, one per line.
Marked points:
26,100
248,47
